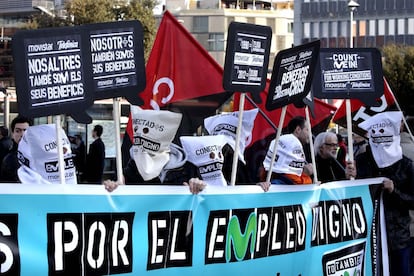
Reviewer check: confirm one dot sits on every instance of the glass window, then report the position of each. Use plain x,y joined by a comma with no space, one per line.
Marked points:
306,30
391,26
290,27
410,26
200,24
381,27
315,29
325,29
333,29
216,42
372,31
401,26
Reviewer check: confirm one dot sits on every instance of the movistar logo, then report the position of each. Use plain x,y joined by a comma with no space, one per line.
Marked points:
239,240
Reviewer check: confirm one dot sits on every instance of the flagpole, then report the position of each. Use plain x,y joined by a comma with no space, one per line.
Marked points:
352,5
279,131
262,113
399,108
237,145
117,117
61,160
312,149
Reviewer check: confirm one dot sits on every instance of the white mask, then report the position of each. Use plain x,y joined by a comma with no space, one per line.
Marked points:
383,131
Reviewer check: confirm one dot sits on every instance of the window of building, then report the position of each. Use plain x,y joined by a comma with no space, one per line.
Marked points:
391,26
325,29
401,26
200,24
410,26
333,29
381,27
372,31
290,27
216,42
315,29
306,30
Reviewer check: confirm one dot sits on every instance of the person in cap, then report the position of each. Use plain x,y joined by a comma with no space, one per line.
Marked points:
154,159
10,163
38,156
95,159
327,166
287,168
384,158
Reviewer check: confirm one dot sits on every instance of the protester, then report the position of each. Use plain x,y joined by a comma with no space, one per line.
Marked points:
342,150
359,144
290,160
407,145
10,163
205,153
226,124
327,166
5,143
95,159
384,158
299,127
39,159
154,159
79,156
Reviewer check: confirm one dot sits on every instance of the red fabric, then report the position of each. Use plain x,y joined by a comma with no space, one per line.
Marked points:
360,112
178,56
263,129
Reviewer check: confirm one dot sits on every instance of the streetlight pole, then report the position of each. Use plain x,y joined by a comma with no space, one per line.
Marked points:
352,5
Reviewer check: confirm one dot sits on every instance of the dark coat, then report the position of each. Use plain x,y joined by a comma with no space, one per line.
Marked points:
95,162
10,165
329,169
397,203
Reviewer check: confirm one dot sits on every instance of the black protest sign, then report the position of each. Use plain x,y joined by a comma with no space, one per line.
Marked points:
349,73
117,56
247,57
292,75
50,73
57,69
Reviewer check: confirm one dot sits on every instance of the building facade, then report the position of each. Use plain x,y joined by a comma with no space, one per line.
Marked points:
376,22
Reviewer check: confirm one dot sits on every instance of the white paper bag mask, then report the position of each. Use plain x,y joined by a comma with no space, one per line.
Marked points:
205,152
153,131
290,157
383,131
227,123
38,156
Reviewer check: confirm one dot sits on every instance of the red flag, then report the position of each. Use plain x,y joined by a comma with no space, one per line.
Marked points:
178,68
262,128
360,112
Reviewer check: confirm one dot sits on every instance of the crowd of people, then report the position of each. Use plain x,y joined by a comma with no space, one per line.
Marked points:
385,150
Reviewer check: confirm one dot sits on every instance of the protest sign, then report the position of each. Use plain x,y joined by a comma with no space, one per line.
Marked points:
247,57
292,75
349,73
63,70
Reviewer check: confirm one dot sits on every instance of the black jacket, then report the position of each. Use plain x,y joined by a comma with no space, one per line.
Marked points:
95,161
10,165
329,169
397,203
